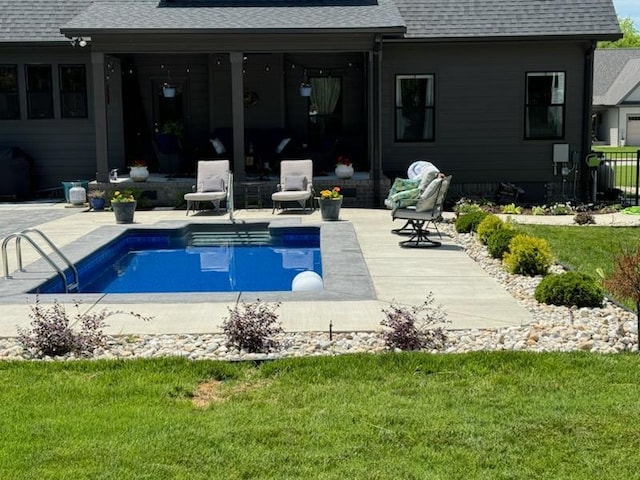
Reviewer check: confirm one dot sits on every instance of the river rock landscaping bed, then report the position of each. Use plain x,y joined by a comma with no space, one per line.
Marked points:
608,329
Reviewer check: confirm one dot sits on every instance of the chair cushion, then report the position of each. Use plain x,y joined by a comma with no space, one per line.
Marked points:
295,183
428,198
212,184
218,146
427,177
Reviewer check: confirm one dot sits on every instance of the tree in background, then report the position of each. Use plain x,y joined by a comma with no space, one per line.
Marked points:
631,38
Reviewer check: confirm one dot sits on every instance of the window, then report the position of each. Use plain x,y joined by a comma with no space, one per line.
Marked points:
39,91
73,91
9,99
544,110
415,108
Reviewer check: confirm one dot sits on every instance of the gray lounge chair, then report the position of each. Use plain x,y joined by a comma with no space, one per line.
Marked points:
296,177
419,217
213,184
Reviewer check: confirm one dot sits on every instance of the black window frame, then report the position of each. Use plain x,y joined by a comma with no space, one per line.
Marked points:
544,103
79,91
45,91
8,93
426,107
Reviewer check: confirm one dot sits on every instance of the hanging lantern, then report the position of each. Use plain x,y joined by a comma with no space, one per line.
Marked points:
305,90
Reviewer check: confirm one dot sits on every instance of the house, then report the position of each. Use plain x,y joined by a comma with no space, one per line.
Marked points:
616,96
483,89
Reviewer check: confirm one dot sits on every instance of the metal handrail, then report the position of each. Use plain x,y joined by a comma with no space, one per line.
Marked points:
75,285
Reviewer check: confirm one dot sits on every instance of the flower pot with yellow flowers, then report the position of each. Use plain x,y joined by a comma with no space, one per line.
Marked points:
123,204
330,202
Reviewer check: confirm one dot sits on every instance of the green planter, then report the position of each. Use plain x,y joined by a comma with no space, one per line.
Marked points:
330,208
124,211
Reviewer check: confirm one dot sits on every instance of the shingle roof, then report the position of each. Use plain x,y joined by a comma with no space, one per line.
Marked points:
507,18
36,20
151,16
616,73
41,20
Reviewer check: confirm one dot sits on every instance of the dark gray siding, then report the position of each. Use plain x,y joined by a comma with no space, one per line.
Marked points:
479,100
62,149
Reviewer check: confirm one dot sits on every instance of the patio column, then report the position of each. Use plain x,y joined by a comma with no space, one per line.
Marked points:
375,101
100,114
237,113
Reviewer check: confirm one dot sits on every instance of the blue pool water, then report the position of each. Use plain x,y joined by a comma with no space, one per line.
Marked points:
198,261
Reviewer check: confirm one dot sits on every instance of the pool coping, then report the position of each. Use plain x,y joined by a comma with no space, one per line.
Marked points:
346,276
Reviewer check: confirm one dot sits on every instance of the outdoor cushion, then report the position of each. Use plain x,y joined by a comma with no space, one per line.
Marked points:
428,174
295,183
213,184
428,198
218,146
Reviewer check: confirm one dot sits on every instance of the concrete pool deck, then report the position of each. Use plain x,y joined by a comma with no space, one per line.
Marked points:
470,297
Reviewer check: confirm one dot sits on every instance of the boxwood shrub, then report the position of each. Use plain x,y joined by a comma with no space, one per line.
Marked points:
469,222
569,289
487,226
498,242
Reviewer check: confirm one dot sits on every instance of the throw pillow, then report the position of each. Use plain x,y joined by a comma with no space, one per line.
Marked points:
281,146
212,184
218,146
428,198
295,183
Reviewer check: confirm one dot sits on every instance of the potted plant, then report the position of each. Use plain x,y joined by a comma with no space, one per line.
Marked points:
305,89
97,199
330,202
123,204
138,171
344,168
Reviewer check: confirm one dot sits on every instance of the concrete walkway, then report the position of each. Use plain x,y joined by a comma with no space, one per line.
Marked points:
470,297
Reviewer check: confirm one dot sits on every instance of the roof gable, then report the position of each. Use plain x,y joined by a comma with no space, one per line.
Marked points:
616,75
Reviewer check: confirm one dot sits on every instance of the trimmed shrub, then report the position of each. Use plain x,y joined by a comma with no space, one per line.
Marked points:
569,289
487,226
498,241
469,222
528,256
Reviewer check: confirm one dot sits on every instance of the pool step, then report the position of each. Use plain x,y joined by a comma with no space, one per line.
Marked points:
207,239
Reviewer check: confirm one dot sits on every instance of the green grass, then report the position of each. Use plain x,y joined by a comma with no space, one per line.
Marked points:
586,248
394,416
625,175
601,148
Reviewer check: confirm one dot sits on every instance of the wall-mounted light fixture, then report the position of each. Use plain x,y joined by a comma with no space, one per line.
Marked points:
78,42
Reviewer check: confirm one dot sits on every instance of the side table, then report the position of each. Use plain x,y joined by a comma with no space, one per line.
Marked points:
252,194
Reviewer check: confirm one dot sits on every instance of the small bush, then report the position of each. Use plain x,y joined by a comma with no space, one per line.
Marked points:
487,226
469,222
251,327
511,209
539,210
464,206
584,218
52,333
569,289
498,242
528,256
414,328
561,209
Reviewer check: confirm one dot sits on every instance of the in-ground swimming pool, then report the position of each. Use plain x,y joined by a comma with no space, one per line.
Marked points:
198,258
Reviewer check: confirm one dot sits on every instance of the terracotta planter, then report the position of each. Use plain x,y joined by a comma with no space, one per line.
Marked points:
124,211
330,208
344,171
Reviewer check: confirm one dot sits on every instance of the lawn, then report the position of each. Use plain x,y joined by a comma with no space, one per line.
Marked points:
626,175
587,248
405,416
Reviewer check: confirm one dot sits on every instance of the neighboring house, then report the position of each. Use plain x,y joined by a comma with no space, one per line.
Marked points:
483,89
616,96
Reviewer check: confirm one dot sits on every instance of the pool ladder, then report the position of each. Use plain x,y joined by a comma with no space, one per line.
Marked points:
68,287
